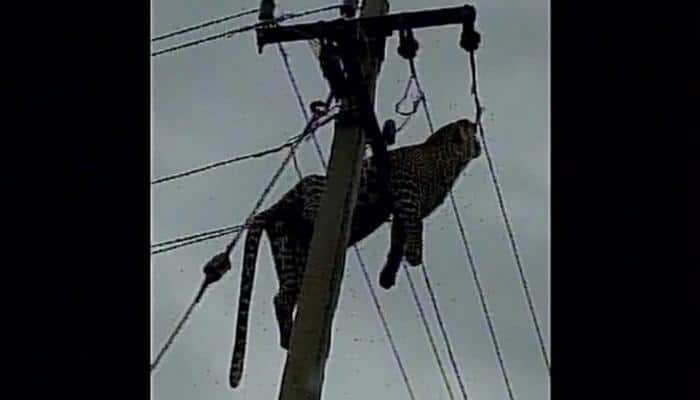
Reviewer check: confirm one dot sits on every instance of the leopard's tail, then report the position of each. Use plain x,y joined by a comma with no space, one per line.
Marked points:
250,256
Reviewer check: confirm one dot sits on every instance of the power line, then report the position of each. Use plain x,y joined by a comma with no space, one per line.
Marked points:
285,59
245,28
199,239
204,285
195,235
222,163
423,100
291,142
385,324
226,34
229,248
504,214
472,264
482,297
204,25
297,92
300,101
178,328
428,332
310,127
443,331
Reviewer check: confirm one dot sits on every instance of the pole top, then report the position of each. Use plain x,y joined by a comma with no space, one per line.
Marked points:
374,26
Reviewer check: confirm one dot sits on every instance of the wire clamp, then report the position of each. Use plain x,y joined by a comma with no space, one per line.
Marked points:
216,268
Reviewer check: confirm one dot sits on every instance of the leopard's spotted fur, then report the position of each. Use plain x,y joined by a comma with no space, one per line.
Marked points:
420,178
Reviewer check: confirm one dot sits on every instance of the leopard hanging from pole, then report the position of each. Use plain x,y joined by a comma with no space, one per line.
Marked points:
420,178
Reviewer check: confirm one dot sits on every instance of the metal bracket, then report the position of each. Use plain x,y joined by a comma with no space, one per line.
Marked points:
374,27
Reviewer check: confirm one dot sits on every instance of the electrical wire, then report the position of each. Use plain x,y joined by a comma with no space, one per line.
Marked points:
229,33
291,142
199,239
504,214
300,101
196,235
482,297
443,331
204,25
229,248
383,320
428,332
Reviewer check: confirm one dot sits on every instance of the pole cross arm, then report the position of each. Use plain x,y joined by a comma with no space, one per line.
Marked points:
376,26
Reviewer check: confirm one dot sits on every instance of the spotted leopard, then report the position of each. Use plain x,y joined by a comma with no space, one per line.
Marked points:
420,177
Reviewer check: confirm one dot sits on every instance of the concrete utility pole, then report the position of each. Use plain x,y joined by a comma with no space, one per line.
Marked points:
311,333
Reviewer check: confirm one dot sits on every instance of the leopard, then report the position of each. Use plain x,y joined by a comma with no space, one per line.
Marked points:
420,177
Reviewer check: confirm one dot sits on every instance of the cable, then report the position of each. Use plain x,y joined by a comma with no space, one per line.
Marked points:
472,264
309,127
414,103
421,95
423,100
443,330
504,214
382,318
291,142
285,59
195,235
222,163
226,34
300,101
482,297
284,55
177,329
204,25
297,167
245,28
195,240
428,332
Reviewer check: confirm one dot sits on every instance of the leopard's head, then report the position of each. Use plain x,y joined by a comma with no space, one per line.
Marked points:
465,139
458,139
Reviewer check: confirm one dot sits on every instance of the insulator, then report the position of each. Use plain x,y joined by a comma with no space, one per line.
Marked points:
408,45
469,39
267,10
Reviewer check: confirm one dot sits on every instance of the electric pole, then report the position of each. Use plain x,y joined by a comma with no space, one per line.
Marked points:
311,331
358,45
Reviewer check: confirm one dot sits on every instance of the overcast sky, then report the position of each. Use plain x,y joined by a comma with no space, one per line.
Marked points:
222,99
